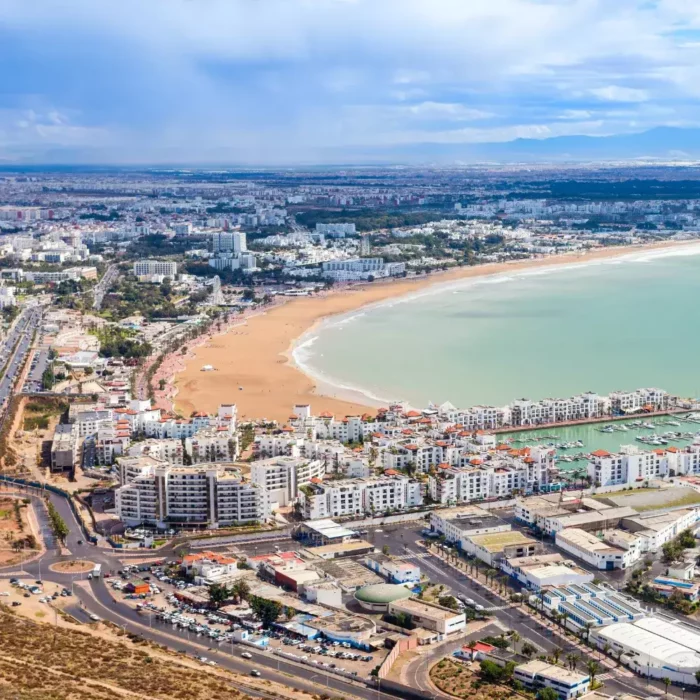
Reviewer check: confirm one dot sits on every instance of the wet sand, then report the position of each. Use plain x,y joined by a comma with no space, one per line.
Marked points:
252,361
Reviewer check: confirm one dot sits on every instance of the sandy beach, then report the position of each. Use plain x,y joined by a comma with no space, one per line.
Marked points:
252,361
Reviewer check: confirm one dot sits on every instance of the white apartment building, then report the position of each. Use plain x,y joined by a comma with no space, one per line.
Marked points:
212,445
148,268
358,496
633,401
168,450
282,477
89,422
628,467
229,242
164,495
336,230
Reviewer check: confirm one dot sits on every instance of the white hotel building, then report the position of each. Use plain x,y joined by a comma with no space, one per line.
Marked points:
358,496
148,268
160,494
281,477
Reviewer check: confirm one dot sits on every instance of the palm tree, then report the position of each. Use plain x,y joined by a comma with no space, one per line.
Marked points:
240,590
588,631
666,681
515,638
606,649
573,659
592,668
556,654
564,618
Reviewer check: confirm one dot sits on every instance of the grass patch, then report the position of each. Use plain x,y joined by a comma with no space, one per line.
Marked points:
36,423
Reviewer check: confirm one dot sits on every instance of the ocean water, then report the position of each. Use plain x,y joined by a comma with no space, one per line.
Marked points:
621,323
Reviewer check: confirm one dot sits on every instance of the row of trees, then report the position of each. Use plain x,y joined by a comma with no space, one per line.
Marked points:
58,524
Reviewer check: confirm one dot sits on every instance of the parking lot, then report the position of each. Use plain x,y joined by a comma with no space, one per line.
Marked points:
160,607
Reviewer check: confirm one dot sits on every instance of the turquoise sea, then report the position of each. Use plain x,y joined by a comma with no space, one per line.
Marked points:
621,323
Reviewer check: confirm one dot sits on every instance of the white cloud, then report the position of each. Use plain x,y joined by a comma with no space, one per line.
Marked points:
446,110
615,93
281,75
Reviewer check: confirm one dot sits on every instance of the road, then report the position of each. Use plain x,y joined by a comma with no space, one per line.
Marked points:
403,542
103,286
97,600
15,348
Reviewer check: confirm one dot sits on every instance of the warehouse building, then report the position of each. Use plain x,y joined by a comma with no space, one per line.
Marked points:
545,570
499,545
655,647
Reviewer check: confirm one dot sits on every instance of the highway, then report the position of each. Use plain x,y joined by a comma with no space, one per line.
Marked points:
103,285
11,357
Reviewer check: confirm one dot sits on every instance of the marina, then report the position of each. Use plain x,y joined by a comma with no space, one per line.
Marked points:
575,443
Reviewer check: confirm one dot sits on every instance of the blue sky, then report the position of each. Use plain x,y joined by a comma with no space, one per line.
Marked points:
303,81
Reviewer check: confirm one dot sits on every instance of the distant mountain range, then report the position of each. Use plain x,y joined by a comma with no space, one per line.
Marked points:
661,143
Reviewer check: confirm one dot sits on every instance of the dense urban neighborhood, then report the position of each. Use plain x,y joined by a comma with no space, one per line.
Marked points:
396,551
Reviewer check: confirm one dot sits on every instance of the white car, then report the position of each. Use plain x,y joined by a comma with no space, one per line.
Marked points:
94,617
246,655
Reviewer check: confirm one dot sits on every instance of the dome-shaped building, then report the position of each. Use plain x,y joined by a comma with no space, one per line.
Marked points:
376,598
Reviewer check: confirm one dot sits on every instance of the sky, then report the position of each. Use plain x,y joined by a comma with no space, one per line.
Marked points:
321,81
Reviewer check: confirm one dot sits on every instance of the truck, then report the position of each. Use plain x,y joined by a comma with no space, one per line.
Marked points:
96,572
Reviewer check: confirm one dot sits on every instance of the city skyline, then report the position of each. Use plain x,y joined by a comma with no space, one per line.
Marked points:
340,81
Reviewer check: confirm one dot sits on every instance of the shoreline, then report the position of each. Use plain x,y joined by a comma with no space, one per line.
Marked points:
254,360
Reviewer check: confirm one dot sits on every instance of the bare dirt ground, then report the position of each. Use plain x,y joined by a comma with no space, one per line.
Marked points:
43,653
649,499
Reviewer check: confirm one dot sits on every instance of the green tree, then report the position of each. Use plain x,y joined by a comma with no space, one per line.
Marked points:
386,550
528,650
491,672
240,590
268,611
666,681
218,594
547,694
448,601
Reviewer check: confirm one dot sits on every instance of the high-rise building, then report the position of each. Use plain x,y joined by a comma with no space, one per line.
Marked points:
155,267
229,242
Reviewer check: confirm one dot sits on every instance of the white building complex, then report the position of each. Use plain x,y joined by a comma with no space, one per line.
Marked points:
282,477
150,268
160,494
357,496
655,647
